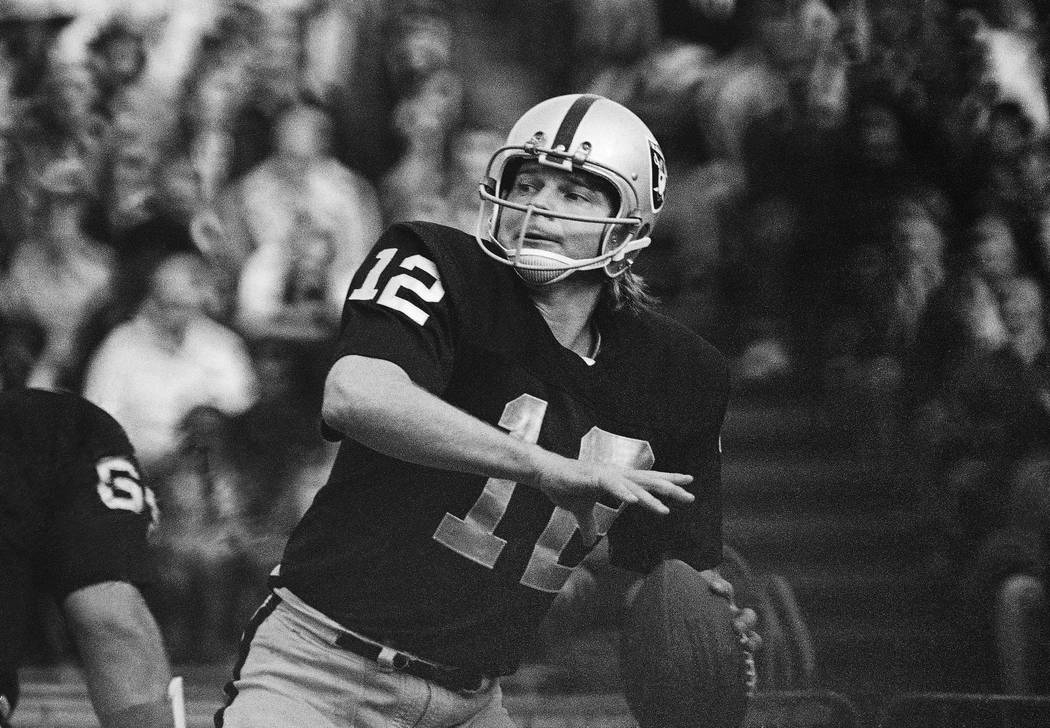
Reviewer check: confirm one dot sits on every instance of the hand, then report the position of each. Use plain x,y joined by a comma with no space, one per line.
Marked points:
744,622
577,486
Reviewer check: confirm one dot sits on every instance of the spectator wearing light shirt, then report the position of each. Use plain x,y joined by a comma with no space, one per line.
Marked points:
169,359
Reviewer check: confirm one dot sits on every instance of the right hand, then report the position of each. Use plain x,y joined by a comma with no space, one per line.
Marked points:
577,486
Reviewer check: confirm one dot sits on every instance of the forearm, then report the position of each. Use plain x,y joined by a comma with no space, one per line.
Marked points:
375,403
120,646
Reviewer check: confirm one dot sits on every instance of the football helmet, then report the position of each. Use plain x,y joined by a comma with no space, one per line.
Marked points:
577,132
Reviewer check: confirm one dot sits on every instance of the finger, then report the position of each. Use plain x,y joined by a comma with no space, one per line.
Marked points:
718,584
746,621
663,485
752,641
673,478
585,520
648,501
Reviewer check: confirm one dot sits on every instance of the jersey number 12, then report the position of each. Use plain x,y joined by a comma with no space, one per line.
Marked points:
473,536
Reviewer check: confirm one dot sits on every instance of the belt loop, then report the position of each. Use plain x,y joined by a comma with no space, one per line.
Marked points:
390,660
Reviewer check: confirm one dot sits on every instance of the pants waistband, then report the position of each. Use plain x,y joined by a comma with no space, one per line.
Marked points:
386,658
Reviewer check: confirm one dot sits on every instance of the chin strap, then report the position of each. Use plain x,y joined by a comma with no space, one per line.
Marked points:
543,267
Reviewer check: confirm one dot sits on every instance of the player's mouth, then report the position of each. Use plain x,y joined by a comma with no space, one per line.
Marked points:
534,240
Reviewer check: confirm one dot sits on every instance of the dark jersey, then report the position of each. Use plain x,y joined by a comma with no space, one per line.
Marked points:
72,510
460,568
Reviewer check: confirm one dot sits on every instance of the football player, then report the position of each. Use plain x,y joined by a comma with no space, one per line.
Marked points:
504,401
73,521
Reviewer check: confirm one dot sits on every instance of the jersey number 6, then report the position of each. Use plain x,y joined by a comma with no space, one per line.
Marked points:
474,535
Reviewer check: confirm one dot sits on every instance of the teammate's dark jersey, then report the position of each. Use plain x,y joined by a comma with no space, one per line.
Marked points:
461,569
72,510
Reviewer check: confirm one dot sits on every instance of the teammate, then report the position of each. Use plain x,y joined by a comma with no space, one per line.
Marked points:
503,401
73,521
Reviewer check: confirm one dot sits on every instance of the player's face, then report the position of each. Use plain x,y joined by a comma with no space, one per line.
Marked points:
556,190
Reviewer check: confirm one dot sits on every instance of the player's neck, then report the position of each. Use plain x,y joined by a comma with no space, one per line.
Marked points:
568,308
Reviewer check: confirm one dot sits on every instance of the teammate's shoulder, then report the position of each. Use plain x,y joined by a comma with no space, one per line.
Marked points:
60,417
27,403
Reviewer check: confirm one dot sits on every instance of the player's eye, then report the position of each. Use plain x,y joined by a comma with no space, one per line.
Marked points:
524,185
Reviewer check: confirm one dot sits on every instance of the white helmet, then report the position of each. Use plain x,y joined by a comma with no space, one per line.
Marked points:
578,132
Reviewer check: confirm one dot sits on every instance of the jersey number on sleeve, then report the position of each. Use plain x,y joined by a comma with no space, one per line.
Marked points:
119,488
474,535
390,296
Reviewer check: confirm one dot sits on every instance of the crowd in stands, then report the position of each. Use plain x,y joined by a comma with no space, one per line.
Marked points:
859,199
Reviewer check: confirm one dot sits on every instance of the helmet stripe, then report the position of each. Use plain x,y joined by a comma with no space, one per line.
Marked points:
572,120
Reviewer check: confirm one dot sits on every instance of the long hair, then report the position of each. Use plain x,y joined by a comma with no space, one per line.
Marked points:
627,292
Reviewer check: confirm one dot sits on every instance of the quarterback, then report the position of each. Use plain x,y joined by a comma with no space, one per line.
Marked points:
73,522
503,401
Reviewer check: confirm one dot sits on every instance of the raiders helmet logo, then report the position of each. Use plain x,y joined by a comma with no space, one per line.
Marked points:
659,175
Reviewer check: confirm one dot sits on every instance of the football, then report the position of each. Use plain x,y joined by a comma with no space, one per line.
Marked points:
681,662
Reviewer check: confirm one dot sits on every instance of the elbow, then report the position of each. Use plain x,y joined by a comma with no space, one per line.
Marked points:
336,403
361,393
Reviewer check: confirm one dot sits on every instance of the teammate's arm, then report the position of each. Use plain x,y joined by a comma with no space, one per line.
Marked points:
120,646
376,403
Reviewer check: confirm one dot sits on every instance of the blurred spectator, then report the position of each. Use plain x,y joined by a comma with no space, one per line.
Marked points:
28,34
299,213
471,149
992,250
171,357
238,486
273,86
429,105
139,248
1006,171
59,123
217,88
780,50
128,191
995,418
700,237
345,69
21,343
611,37
886,287
756,278
1005,59
962,319
12,226
59,279
869,338
667,85
287,291
1005,596
204,542
419,45
117,58
412,188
